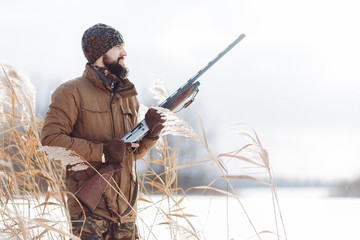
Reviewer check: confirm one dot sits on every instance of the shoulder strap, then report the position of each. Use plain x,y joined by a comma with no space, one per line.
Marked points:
133,200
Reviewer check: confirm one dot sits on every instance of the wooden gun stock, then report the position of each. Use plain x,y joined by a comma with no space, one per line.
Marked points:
91,191
180,96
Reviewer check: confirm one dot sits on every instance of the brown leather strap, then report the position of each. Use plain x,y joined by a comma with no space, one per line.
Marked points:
133,200
108,207
134,196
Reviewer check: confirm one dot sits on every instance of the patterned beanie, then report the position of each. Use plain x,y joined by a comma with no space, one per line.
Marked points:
99,39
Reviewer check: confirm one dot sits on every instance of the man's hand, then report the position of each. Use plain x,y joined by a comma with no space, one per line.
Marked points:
117,150
154,120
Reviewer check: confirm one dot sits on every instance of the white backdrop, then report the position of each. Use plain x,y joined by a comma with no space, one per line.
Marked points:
294,78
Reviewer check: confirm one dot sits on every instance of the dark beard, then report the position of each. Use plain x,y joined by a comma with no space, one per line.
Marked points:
115,68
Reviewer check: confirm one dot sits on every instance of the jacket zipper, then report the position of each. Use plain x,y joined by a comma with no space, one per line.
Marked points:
111,108
112,86
108,205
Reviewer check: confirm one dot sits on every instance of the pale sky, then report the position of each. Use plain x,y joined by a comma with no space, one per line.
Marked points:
294,78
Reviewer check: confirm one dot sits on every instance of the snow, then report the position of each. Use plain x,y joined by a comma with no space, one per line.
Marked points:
307,214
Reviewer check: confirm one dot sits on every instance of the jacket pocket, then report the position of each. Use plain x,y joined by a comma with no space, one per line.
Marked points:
96,122
128,117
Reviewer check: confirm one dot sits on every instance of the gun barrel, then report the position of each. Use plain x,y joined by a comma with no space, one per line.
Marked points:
190,82
217,58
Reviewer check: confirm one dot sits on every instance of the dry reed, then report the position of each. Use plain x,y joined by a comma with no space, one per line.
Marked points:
33,195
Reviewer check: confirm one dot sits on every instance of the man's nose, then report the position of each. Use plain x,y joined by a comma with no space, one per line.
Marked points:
123,53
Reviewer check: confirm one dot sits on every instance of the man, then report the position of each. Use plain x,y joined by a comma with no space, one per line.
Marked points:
90,115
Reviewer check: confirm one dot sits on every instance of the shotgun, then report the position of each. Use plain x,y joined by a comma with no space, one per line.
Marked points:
92,190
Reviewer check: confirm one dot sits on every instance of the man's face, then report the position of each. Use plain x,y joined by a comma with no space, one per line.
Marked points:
114,61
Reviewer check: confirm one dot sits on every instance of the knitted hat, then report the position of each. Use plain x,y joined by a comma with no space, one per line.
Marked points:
99,39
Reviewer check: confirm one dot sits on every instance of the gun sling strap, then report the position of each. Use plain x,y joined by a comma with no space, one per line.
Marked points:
132,201
131,205
135,193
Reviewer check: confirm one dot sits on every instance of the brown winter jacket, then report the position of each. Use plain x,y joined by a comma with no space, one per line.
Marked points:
81,117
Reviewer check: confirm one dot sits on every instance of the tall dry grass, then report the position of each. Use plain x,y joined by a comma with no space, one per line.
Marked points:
33,194
27,207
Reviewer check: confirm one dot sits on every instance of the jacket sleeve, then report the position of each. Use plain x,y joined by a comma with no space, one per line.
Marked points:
145,146
59,123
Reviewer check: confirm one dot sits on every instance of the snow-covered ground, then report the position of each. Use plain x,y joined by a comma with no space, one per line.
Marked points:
307,214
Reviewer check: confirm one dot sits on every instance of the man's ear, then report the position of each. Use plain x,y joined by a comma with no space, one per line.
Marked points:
99,62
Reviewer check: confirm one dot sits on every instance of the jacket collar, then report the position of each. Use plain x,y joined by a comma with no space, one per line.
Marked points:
125,89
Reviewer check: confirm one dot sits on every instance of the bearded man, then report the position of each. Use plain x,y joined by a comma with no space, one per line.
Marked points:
90,115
